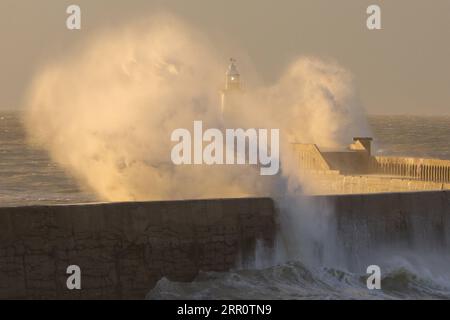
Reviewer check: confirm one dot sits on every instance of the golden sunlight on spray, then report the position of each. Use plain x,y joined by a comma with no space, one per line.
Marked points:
106,113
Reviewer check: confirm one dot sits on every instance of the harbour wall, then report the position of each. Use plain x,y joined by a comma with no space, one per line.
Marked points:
332,182
372,229
417,168
357,160
123,249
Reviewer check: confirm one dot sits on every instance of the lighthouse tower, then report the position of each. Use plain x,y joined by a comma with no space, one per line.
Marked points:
231,94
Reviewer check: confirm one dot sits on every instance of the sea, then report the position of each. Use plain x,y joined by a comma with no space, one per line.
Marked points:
28,176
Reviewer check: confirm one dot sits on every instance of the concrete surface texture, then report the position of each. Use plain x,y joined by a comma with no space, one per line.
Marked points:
371,228
417,168
332,183
123,249
355,170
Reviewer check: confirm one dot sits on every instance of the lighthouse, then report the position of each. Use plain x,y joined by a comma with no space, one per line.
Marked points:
231,95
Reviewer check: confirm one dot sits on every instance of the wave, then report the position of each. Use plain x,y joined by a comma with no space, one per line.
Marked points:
294,280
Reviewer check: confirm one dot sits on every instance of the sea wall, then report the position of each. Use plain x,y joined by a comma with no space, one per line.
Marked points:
332,182
372,228
357,160
123,249
417,168
309,157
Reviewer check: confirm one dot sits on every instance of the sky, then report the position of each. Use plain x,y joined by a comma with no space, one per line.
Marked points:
402,69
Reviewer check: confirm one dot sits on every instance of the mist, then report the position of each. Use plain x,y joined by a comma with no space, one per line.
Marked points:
106,112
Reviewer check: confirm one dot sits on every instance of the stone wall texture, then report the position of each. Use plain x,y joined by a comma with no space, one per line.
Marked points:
123,249
332,182
373,226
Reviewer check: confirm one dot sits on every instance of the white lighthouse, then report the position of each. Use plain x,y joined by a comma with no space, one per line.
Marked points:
231,94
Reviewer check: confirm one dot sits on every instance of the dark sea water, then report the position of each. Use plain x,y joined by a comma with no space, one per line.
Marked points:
415,136
28,176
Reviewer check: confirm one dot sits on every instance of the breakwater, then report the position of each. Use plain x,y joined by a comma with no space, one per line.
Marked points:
123,249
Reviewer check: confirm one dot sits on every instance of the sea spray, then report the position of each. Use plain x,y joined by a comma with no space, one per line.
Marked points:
106,113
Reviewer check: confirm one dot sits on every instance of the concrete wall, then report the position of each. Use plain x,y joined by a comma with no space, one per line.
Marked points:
332,182
423,169
348,162
123,249
372,227
355,159
309,157
358,161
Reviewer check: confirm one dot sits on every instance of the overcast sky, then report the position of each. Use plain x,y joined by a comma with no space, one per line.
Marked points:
402,69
